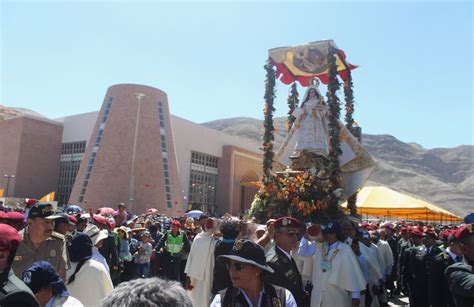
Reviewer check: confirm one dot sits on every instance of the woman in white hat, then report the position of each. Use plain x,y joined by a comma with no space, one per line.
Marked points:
246,265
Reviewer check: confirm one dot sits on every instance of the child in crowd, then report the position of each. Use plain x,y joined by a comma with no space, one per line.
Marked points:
142,256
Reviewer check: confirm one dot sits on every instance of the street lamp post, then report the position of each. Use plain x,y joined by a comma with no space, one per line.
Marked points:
131,199
8,177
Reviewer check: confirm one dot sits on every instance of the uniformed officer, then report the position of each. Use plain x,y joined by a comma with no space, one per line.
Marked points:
39,242
286,274
403,244
392,241
415,270
13,292
439,294
460,275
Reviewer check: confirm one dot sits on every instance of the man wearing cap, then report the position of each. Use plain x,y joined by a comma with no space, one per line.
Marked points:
419,263
39,242
438,288
337,276
109,248
64,224
460,275
13,292
375,272
391,239
286,274
172,245
403,244
246,264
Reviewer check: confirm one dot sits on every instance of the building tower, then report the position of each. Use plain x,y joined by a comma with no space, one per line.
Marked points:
130,156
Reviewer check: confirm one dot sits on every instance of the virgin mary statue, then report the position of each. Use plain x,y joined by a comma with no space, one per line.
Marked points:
309,136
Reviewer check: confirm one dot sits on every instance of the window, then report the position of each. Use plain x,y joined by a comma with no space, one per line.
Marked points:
71,157
95,149
164,153
203,181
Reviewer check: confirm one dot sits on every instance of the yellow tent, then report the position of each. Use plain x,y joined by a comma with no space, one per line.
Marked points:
386,203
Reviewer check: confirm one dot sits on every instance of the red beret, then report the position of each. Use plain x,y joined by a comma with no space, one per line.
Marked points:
100,219
415,231
430,232
10,238
72,218
314,230
286,221
372,227
464,231
388,225
176,223
3,215
13,215
30,202
445,233
403,229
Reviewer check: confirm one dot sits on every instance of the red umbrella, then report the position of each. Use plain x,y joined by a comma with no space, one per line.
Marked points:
152,211
106,210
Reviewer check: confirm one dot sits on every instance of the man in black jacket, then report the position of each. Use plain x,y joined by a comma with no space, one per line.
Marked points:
221,279
439,294
286,274
13,291
460,275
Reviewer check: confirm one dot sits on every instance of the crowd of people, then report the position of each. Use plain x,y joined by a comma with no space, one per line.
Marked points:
116,258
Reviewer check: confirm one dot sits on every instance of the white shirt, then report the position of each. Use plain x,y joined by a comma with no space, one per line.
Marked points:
289,301
286,254
451,254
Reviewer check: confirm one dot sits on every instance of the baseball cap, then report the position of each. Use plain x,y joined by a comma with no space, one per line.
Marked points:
65,219
44,211
42,274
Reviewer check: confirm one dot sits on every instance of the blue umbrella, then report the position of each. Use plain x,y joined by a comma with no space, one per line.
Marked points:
469,219
195,214
73,209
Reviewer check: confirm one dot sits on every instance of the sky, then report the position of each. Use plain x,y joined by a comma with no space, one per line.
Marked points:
415,79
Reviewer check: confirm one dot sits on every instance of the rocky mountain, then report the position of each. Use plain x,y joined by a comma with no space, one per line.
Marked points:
441,176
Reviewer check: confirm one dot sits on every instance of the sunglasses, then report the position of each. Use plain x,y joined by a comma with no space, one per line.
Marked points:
235,266
293,233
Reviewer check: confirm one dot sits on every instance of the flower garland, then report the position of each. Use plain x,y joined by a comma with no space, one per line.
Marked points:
334,113
349,118
268,109
292,102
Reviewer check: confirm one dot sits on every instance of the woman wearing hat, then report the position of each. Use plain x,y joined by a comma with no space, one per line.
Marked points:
246,265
